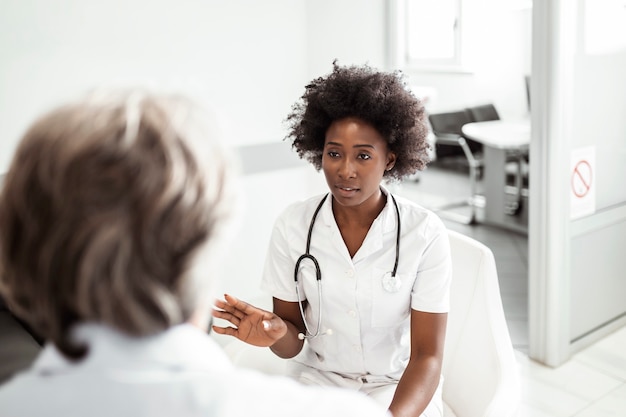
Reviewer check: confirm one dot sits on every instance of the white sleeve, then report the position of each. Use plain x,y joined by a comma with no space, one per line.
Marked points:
431,291
278,272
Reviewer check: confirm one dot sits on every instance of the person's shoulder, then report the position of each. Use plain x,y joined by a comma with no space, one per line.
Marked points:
20,394
408,205
223,393
414,215
306,204
301,209
416,210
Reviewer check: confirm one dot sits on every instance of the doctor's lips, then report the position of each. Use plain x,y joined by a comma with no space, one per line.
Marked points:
346,191
346,188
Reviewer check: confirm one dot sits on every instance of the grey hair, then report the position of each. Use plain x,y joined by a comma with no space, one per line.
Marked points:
104,209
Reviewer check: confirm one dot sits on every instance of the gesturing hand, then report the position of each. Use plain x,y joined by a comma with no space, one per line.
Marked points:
252,325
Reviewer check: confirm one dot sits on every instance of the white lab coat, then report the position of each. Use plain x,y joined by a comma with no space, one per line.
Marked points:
370,326
181,372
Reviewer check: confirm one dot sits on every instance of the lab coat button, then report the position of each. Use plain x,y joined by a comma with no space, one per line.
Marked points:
350,273
352,313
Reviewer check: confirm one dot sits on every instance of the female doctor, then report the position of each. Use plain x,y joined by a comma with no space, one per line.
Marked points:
360,278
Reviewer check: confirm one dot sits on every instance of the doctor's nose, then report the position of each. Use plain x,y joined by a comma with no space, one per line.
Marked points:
347,169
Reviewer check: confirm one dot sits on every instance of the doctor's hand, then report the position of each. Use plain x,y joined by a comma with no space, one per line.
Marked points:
252,325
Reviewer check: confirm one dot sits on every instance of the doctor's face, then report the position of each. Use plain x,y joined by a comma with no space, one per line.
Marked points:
354,159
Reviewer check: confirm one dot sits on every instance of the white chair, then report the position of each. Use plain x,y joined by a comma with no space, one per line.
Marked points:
480,372
479,368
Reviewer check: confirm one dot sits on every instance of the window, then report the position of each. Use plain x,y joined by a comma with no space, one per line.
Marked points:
425,35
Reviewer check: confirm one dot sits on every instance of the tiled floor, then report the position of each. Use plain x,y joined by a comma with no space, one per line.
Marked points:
593,382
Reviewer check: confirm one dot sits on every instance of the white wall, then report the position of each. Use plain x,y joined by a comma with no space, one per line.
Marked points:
249,58
351,31
496,51
266,195
496,42
246,57
576,265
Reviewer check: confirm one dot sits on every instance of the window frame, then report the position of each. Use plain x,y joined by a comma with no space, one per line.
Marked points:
397,35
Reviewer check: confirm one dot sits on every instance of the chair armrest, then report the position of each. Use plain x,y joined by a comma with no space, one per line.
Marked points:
448,138
458,140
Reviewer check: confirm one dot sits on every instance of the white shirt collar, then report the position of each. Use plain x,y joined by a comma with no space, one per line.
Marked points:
180,347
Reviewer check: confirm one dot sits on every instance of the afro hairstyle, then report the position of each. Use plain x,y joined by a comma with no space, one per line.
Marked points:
381,99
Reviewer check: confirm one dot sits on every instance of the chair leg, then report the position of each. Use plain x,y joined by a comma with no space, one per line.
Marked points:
471,202
474,166
514,207
473,190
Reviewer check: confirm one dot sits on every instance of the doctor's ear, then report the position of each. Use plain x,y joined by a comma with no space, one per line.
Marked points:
391,161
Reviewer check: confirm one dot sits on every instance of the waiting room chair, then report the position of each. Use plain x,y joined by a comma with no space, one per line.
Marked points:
447,129
483,112
18,347
480,371
479,368
451,123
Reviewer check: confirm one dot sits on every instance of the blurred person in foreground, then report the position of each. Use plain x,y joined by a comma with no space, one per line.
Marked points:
112,217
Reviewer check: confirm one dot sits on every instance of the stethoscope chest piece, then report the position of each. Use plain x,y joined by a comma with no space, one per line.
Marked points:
391,283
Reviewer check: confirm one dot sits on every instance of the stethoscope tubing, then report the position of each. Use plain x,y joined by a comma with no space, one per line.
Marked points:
318,271
318,276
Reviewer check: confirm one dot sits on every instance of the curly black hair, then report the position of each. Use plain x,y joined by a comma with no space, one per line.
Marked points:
379,98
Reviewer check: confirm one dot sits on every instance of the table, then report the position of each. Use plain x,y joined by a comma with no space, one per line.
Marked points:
499,138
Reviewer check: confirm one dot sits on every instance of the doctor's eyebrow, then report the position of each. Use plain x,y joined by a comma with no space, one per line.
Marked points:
364,145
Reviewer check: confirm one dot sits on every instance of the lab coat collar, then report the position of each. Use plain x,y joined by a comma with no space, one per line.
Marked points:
383,224
181,347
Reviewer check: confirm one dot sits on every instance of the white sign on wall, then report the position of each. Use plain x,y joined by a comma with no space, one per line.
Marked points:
582,178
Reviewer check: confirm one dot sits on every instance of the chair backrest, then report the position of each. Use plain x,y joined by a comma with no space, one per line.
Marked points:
483,113
479,367
18,348
450,122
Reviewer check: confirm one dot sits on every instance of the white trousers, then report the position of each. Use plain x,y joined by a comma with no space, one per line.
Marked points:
381,390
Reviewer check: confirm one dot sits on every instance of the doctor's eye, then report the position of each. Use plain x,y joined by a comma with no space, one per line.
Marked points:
333,154
364,156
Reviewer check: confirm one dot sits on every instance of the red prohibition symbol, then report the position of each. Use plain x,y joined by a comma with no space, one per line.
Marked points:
581,179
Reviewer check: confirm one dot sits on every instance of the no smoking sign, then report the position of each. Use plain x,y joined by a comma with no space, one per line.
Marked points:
582,182
581,178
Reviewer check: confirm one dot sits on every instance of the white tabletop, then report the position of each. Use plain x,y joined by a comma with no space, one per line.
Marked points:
502,134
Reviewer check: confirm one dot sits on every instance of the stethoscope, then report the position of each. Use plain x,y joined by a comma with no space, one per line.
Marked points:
390,282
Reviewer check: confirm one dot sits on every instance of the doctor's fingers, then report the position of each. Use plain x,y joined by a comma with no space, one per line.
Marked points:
225,315
224,306
230,331
242,305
